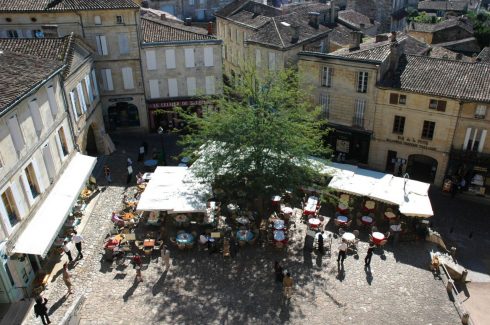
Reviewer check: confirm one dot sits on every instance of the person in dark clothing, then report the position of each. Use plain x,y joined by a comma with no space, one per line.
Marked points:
367,259
233,247
40,309
278,270
320,242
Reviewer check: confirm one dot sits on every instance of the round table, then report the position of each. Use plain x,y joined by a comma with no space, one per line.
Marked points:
244,235
278,224
232,207
128,216
184,238
276,199
348,237
243,220
181,218
378,237
342,206
342,219
287,210
390,215
367,220
279,235
151,163
370,205
314,222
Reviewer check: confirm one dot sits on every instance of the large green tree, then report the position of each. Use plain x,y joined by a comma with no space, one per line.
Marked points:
256,141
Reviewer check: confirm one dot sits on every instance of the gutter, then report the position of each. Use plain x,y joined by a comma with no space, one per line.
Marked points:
329,56
33,90
214,41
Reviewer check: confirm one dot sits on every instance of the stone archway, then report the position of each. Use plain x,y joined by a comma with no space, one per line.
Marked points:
422,168
91,147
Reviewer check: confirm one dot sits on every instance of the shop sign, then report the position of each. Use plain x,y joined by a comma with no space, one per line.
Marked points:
177,103
121,99
412,142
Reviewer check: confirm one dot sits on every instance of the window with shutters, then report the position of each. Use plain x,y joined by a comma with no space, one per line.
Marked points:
36,116
208,57
189,58
123,43
16,133
128,81
53,105
481,111
398,99
258,58
76,102
360,107
362,81
64,144
325,105
107,79
272,61
97,20
9,203
210,85
191,86
327,76
154,88
173,90
399,124
119,20
439,105
95,87
85,92
12,33
32,180
428,130
101,44
151,60
170,58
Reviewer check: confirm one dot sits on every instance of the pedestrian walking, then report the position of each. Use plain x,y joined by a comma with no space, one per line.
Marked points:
279,272
320,242
166,259
129,162
139,277
342,253
162,253
233,247
107,173
367,259
67,250
130,174
78,239
40,309
141,153
137,260
287,283
67,278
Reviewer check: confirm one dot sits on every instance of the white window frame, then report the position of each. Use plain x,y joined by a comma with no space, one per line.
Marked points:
123,42
362,81
327,77
81,98
16,133
191,86
325,105
481,111
189,57
210,83
154,88
107,79
73,102
37,120
272,61
151,60
170,59
101,43
94,84
97,20
258,58
208,56
53,104
88,86
359,111
128,80
173,88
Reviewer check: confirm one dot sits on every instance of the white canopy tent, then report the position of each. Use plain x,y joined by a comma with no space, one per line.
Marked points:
175,190
42,229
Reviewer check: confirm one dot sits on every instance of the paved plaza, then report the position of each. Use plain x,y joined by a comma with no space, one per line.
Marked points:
207,289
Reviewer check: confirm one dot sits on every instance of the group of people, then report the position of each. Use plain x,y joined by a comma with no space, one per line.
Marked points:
284,277
342,254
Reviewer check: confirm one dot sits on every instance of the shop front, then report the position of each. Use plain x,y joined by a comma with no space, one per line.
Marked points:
470,169
349,145
162,113
122,113
24,258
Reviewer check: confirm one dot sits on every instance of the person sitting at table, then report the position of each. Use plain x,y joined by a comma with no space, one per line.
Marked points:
117,219
111,243
139,178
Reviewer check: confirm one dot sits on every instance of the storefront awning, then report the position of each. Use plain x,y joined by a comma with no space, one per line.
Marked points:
42,229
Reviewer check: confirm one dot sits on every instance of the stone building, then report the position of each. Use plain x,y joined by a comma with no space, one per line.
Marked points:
391,14
110,27
196,10
41,174
446,8
357,21
78,82
182,65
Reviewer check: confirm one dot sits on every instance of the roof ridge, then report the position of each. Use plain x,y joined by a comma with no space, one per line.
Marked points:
277,30
160,22
447,60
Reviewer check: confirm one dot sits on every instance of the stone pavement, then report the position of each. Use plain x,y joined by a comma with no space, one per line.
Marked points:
206,289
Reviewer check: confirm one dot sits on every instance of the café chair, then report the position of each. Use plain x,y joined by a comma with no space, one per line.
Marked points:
383,242
147,250
356,233
348,224
139,244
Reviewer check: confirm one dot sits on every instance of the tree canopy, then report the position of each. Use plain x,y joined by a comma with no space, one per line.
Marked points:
256,141
481,26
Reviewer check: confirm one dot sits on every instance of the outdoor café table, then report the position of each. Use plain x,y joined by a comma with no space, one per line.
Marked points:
342,219
244,235
367,220
342,207
275,200
311,204
243,220
150,163
279,235
390,215
377,237
369,205
128,216
185,238
314,222
149,243
348,237
278,224
287,210
232,207
181,218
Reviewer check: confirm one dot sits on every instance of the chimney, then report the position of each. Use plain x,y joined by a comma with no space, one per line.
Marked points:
355,40
324,45
459,56
163,16
144,4
50,31
332,12
396,51
210,28
393,37
188,21
314,18
362,26
295,34
381,38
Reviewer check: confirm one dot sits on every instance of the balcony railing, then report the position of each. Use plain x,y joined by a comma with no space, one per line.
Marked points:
358,122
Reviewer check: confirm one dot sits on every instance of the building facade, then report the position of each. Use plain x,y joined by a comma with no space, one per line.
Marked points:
110,27
197,10
182,67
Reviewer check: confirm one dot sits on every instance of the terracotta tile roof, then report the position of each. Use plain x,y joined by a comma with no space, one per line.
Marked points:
156,30
445,24
230,8
354,18
19,73
484,55
64,5
443,53
445,78
443,5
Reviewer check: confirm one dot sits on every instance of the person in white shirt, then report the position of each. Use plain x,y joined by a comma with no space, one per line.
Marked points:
67,250
342,253
78,239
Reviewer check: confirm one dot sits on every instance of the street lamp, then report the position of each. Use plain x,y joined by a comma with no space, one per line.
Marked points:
161,132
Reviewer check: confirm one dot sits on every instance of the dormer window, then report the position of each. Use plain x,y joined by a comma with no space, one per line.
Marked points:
480,111
119,19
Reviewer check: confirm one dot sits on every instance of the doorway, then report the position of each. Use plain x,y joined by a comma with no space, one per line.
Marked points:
422,168
123,114
391,161
91,147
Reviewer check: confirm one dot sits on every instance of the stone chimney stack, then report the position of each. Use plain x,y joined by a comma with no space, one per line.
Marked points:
396,51
355,40
314,19
332,12
162,16
188,21
210,28
295,34
381,38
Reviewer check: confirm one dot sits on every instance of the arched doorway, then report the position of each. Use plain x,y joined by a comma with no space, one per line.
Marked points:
91,147
422,168
123,114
